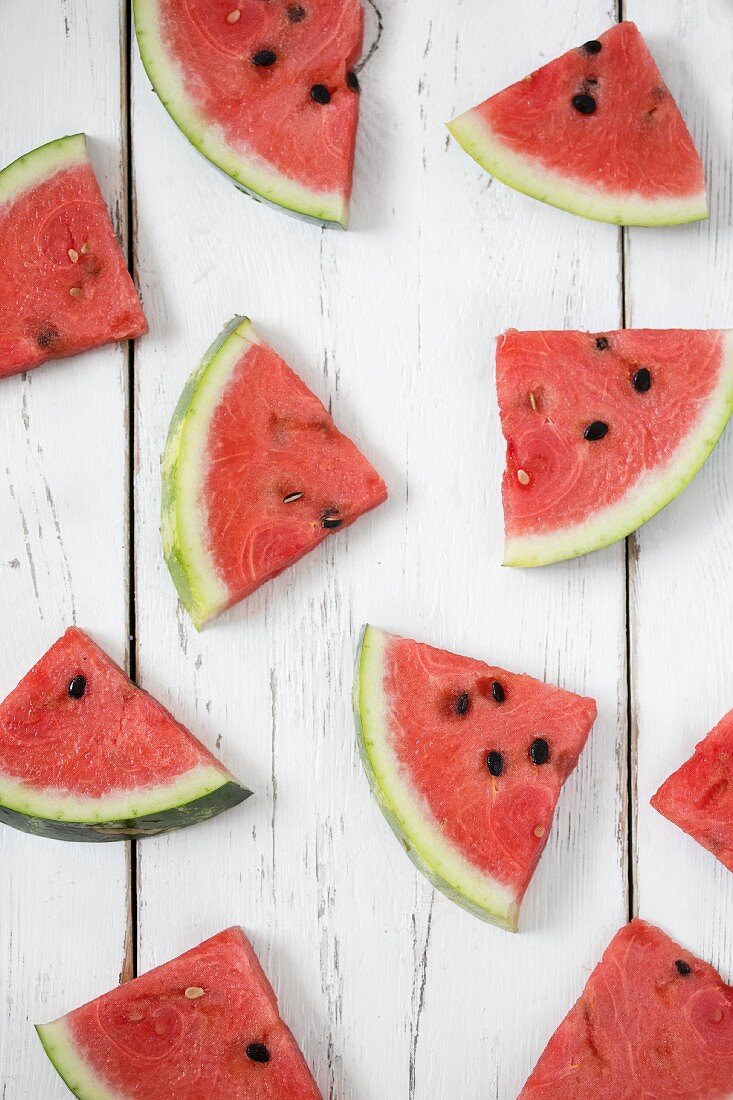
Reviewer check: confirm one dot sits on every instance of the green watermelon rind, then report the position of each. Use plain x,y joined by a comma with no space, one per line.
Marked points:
413,822
648,497
183,519
250,174
527,175
196,796
40,164
69,1064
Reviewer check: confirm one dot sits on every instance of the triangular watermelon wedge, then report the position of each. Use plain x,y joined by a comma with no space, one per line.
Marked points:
255,474
653,1021
87,755
64,287
603,430
265,90
466,761
595,132
205,1026
698,797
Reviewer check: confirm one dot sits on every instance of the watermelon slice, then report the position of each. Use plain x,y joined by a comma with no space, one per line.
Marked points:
64,287
255,474
595,132
699,796
86,755
266,91
603,430
467,763
653,1021
205,1026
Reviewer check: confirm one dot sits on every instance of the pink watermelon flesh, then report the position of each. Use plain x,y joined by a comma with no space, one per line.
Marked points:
633,147
265,112
699,796
443,720
55,238
565,494
653,1021
105,742
148,1040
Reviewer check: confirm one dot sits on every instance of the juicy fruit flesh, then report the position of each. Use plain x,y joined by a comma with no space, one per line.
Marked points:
148,1040
642,1027
114,739
552,385
266,112
698,797
65,285
256,474
633,145
499,824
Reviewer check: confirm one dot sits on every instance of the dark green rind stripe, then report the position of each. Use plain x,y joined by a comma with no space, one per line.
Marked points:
165,821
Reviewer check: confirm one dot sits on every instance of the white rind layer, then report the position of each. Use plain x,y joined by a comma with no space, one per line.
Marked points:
58,806
407,812
249,171
649,495
73,1070
40,164
531,177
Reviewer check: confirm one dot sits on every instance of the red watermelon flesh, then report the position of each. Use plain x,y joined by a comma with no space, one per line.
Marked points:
596,132
467,761
653,1021
238,78
255,475
83,750
64,285
662,398
699,796
184,1030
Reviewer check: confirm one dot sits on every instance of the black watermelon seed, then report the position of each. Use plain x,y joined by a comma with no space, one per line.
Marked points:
683,968
77,687
497,692
330,519
320,94
295,13
46,336
642,380
592,47
585,104
602,343
495,763
539,751
292,497
462,704
595,431
264,58
258,1052
352,80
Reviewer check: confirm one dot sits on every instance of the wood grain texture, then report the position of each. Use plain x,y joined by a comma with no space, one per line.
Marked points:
392,991
63,542
682,579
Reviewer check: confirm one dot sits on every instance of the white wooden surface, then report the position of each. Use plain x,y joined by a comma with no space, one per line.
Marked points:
394,993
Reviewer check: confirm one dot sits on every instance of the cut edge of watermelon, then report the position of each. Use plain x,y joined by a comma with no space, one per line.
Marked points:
42,163
250,174
191,565
647,497
67,1061
413,823
527,175
200,793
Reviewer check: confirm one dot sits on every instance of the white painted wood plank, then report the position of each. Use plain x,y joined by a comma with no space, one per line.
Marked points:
392,991
683,581
63,554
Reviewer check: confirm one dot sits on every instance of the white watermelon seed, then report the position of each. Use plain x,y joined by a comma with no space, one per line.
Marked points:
75,292
73,255
234,16
533,401
539,830
522,477
193,993
84,248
